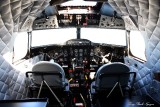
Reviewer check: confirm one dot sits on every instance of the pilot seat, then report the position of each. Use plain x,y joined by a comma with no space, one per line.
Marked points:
48,79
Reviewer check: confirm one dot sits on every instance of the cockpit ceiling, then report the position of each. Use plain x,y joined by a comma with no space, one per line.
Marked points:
82,14
137,15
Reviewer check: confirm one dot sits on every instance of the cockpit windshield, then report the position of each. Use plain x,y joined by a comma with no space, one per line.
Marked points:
52,36
104,36
95,35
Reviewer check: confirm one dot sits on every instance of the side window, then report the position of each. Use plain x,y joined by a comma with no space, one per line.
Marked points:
20,46
137,45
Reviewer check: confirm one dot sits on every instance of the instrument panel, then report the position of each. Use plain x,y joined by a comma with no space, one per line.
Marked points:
80,58
81,52
75,52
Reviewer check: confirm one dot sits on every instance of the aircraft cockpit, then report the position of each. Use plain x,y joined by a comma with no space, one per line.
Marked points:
79,53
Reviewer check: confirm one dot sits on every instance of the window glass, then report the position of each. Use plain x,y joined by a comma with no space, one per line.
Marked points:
52,36
108,36
137,45
20,45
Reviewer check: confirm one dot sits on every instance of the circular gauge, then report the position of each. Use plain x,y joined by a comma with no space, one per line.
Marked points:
71,52
75,50
92,53
80,54
55,55
80,50
65,53
76,54
97,49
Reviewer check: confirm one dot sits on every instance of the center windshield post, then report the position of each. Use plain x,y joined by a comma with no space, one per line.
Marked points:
78,32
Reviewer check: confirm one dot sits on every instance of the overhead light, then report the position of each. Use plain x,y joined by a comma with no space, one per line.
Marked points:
76,11
79,3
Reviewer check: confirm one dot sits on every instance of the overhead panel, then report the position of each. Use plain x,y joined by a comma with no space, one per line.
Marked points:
46,23
111,22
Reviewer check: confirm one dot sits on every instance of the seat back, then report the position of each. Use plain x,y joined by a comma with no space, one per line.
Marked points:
109,74
52,73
